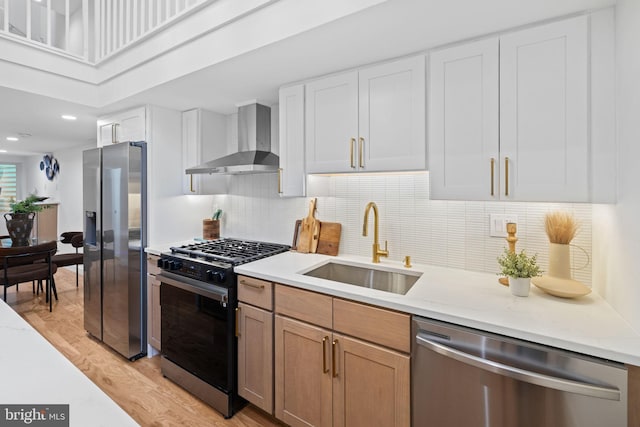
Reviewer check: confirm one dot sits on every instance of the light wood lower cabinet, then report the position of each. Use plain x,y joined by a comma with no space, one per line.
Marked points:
154,313
634,396
303,373
254,330
326,378
370,385
153,302
255,355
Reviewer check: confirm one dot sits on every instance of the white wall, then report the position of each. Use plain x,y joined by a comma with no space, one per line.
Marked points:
69,189
616,227
172,216
65,188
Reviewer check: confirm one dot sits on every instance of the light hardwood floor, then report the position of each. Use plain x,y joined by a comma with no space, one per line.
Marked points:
138,387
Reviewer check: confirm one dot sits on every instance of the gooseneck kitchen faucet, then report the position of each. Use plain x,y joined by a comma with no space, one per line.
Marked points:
377,252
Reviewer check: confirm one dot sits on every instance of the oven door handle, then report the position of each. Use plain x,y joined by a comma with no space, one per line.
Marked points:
215,293
548,381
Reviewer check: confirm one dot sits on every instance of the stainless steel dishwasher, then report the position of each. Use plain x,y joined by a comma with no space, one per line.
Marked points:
465,378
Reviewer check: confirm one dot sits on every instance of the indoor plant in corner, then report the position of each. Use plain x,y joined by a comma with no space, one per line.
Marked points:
520,268
20,219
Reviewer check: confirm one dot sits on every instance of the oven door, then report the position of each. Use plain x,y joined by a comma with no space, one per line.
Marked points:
197,329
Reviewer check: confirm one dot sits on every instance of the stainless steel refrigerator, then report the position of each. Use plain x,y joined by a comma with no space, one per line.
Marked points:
114,204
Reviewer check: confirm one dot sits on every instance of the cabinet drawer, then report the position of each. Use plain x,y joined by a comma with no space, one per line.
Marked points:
304,305
152,264
255,292
377,325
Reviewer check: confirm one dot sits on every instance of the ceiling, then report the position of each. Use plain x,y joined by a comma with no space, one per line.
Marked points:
391,29
40,118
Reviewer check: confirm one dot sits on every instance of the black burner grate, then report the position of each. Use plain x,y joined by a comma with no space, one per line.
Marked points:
232,251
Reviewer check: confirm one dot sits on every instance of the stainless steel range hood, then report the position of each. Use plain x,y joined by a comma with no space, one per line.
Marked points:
254,146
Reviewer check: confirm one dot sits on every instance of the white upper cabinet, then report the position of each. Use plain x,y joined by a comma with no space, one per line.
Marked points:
463,122
203,138
538,149
291,175
544,112
331,122
124,126
372,119
392,117
191,152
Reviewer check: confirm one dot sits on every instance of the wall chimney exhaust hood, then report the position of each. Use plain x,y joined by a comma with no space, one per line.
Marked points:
254,146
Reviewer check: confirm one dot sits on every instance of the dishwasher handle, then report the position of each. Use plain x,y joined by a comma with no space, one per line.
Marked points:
520,374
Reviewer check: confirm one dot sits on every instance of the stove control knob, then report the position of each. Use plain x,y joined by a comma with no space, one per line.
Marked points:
165,264
160,263
173,265
215,276
219,276
211,275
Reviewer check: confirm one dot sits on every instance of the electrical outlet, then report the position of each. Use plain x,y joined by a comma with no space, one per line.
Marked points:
498,224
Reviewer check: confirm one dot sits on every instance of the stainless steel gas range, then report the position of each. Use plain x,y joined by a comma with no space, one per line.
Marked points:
198,298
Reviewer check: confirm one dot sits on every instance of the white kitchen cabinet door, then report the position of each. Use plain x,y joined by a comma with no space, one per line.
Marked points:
331,123
463,123
203,138
291,178
127,125
392,117
544,141
191,153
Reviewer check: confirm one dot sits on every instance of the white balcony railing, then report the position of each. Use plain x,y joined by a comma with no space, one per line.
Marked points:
89,30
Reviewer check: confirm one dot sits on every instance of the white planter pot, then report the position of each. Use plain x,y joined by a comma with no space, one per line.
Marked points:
520,286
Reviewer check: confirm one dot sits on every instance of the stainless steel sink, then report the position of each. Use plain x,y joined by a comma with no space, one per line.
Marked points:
382,280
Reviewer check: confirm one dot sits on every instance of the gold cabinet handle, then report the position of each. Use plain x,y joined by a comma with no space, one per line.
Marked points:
252,285
191,184
506,176
325,369
493,164
361,150
352,144
334,356
237,321
279,180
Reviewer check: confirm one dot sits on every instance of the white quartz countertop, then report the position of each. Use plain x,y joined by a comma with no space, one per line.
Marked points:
586,325
158,248
35,373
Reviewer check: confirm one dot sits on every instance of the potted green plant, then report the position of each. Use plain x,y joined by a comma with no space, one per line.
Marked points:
519,268
20,219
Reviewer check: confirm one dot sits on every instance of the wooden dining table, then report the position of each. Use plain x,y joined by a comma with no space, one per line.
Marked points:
17,257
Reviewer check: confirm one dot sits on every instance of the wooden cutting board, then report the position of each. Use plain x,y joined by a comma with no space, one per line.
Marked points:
329,238
296,233
309,230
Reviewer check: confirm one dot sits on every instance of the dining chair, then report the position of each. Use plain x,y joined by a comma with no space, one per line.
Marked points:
27,264
75,239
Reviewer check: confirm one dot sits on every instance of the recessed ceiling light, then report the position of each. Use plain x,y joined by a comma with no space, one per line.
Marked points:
12,138
3,151
68,117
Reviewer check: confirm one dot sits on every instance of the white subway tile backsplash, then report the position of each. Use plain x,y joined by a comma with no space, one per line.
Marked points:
445,233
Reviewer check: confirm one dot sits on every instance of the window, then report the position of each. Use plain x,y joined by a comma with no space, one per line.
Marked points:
8,190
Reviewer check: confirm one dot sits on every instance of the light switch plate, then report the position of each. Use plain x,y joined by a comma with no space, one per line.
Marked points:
498,224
